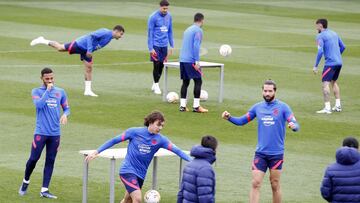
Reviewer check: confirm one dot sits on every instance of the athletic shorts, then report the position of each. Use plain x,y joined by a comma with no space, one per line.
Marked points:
262,162
188,71
131,182
73,48
161,54
331,73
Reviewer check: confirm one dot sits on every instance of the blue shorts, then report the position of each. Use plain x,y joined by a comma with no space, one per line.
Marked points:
161,54
262,162
331,73
188,71
73,48
131,182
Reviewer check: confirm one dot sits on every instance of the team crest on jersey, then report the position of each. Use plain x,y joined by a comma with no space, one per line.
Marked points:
57,95
276,112
153,141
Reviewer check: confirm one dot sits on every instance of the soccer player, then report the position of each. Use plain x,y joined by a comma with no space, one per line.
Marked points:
85,46
190,63
271,115
331,46
198,182
48,101
160,34
144,142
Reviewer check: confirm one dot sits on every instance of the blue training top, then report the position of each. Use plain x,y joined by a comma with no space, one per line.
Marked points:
331,45
95,40
272,117
190,50
141,149
160,31
48,107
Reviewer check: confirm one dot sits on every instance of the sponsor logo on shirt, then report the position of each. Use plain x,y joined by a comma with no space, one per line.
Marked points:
268,120
144,148
163,28
51,103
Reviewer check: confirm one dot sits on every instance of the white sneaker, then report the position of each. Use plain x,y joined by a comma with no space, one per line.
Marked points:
157,89
153,87
90,93
336,108
36,41
324,110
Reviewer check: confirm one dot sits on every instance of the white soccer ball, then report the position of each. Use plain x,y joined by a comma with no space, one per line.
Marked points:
225,50
152,196
172,97
204,95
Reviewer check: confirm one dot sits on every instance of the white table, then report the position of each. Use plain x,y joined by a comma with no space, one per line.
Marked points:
120,153
203,65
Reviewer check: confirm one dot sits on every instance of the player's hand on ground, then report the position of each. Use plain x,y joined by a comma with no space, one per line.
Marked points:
88,54
225,115
292,125
63,119
315,70
91,156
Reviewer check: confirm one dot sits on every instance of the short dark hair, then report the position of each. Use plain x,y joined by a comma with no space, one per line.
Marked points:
164,3
119,28
323,22
198,17
152,117
270,82
351,142
209,141
46,71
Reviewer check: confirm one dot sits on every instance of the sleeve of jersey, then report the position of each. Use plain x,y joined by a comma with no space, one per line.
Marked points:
39,100
94,35
150,33
249,116
120,138
341,45
290,118
170,34
320,44
197,44
171,147
64,104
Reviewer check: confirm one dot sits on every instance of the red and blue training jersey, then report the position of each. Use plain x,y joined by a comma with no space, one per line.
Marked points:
272,118
94,40
48,109
141,149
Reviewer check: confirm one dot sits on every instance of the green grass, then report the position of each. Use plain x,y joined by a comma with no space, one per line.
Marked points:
270,39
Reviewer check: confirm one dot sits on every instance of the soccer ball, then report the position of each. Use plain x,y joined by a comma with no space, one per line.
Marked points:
152,196
225,50
204,95
172,97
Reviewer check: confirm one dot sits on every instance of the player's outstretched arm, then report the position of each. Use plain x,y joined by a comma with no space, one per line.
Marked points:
171,147
238,120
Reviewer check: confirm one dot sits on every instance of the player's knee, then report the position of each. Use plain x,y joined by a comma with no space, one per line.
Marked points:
275,184
256,184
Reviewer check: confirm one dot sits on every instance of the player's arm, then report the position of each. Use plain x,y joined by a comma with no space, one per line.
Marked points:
290,118
249,116
320,44
196,45
326,187
167,144
38,99
205,185
119,138
341,45
66,108
170,34
151,28
98,34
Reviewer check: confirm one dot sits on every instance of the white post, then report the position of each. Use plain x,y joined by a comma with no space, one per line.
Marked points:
85,180
112,180
154,182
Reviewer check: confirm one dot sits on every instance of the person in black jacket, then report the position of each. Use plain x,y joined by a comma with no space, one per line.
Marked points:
341,182
198,182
